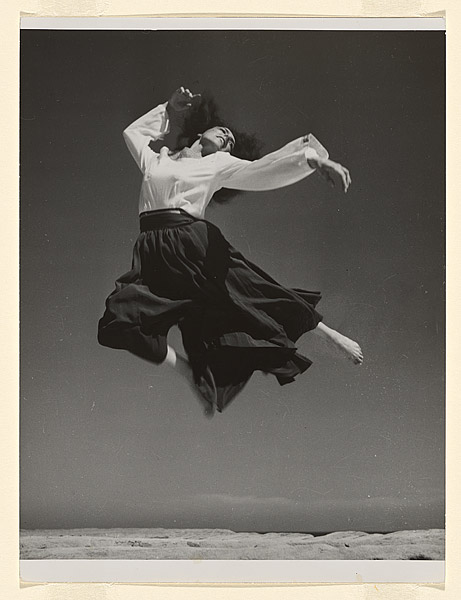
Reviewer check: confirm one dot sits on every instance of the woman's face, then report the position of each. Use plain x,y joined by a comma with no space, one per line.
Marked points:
217,139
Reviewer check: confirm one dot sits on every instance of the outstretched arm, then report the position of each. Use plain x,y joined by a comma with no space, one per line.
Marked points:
291,163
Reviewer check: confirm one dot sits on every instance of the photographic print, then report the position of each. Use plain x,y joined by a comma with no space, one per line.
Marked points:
232,296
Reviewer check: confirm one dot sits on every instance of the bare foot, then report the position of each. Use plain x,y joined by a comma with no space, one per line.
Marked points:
347,347
341,344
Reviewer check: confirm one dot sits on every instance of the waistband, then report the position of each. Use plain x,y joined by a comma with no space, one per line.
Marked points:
163,218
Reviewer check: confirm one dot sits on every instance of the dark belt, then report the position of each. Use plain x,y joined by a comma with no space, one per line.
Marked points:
163,218
160,211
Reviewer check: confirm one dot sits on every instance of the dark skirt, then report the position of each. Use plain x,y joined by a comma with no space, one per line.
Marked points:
233,317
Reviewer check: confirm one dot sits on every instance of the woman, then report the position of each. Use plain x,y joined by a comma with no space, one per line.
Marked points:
234,318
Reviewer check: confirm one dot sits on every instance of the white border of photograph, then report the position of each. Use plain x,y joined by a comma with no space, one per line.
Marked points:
233,571
267,23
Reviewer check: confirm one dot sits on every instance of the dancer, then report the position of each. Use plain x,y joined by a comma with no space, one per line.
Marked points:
233,317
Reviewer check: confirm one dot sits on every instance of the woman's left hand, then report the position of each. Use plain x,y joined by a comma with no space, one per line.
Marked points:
334,173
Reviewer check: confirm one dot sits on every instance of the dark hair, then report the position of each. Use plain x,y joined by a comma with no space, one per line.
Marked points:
205,115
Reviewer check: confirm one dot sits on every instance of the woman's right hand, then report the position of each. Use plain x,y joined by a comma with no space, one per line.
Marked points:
181,99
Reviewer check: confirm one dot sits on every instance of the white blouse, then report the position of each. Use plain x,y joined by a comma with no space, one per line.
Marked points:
189,183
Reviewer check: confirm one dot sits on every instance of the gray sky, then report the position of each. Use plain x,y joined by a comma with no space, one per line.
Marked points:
108,440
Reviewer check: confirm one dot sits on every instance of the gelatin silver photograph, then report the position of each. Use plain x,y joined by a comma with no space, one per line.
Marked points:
232,295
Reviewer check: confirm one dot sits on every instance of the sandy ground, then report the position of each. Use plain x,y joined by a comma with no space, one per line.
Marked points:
223,544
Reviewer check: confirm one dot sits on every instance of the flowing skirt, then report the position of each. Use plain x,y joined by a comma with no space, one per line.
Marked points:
233,317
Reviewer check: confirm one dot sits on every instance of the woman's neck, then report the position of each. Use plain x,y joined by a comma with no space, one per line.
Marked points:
194,151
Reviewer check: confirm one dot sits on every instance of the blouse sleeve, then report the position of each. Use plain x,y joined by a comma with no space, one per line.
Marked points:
275,170
152,126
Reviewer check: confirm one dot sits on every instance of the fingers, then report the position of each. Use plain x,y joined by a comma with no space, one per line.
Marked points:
187,93
335,173
344,180
345,177
183,99
348,178
342,174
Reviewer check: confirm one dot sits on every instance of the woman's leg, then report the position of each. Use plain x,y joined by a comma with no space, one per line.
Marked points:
341,343
181,365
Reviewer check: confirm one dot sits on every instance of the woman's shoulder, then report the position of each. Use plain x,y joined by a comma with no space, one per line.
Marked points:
225,158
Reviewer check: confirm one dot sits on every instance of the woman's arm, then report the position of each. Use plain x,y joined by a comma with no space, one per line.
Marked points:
154,125
291,163
275,170
151,126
